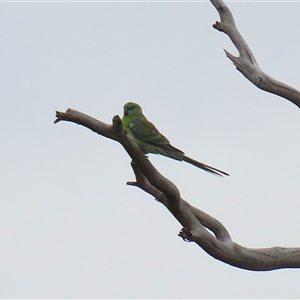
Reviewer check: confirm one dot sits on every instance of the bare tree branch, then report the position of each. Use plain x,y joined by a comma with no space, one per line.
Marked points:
198,226
246,62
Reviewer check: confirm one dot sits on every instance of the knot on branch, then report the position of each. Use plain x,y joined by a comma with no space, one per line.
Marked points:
218,26
117,123
186,235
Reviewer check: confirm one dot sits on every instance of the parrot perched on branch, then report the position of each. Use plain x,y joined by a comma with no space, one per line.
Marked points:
150,140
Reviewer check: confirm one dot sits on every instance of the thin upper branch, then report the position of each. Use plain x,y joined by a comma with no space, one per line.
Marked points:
246,62
198,226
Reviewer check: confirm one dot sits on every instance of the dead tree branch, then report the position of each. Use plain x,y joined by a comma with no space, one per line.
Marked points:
197,225
246,62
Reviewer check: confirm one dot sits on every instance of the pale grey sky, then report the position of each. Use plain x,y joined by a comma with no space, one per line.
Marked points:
69,225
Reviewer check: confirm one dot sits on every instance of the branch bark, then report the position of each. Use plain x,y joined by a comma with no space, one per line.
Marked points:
246,62
198,226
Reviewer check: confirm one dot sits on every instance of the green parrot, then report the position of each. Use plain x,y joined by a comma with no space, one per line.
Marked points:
150,140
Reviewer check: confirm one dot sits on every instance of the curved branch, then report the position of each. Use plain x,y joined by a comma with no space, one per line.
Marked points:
246,62
198,226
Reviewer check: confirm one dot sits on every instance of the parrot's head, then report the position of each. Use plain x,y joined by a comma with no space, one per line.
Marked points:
132,109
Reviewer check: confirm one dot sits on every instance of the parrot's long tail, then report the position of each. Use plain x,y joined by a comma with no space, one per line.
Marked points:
175,153
204,167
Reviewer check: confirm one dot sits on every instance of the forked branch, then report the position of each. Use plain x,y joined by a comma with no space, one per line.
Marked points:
198,226
246,62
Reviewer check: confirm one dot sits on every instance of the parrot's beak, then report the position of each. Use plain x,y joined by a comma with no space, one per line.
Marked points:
125,112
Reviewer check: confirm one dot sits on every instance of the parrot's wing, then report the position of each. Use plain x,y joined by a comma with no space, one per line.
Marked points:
146,132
